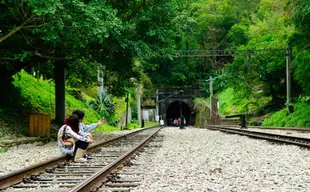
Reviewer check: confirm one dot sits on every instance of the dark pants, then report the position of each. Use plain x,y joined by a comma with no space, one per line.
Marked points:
142,123
80,145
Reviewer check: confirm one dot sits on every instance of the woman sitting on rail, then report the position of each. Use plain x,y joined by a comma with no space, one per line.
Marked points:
71,141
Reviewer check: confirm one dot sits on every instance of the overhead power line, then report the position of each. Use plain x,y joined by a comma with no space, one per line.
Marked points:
228,53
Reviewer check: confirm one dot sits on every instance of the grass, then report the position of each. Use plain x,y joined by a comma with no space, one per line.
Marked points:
299,118
106,128
38,95
233,103
133,125
2,150
120,107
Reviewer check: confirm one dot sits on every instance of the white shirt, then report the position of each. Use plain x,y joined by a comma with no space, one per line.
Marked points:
87,128
70,133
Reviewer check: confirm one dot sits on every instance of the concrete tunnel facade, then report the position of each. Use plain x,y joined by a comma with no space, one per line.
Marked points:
171,109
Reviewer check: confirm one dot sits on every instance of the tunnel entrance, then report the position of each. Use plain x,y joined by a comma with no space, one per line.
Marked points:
174,112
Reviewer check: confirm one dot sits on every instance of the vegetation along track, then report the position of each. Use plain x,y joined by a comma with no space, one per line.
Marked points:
301,130
300,141
61,174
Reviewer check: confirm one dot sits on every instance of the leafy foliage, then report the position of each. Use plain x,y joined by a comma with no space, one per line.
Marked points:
105,107
134,41
38,95
302,39
302,69
90,35
300,117
269,28
232,102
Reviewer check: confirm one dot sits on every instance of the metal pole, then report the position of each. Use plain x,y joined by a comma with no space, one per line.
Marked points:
139,103
127,99
288,78
211,86
181,108
157,104
181,115
211,95
100,82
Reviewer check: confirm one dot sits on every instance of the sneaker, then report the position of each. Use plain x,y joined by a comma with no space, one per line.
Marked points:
88,157
80,160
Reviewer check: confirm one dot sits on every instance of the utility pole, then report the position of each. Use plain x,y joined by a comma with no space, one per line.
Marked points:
181,111
100,82
127,100
157,106
139,103
211,95
290,108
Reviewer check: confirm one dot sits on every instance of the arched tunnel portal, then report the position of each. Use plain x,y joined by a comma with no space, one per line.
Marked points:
173,111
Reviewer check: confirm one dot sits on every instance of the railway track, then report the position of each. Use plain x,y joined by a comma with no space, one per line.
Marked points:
288,139
305,130
103,173
129,176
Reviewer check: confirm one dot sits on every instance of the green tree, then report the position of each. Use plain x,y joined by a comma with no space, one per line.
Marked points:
301,40
85,35
269,28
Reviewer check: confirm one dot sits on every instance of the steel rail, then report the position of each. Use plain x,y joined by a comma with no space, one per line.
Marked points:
271,128
300,141
96,180
18,175
281,128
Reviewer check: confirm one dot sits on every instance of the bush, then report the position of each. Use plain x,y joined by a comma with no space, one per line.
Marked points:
38,95
105,107
232,103
299,118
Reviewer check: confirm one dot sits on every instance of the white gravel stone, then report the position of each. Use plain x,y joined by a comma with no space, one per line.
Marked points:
200,160
204,160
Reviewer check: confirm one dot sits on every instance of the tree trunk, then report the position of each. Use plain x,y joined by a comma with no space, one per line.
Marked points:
9,96
60,92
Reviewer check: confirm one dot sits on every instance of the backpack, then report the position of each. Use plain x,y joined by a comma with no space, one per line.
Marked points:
65,140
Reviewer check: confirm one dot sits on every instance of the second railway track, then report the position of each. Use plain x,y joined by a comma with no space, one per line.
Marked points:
65,175
288,139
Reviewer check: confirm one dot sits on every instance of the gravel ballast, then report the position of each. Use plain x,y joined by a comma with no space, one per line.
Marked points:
199,160
204,160
21,156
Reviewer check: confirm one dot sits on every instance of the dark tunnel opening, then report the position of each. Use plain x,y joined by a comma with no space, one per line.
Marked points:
174,112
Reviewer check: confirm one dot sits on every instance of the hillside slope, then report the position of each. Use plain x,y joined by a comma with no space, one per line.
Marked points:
233,103
299,118
38,96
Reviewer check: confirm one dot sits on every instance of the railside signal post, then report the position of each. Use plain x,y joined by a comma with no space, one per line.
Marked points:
157,106
211,95
290,108
181,115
